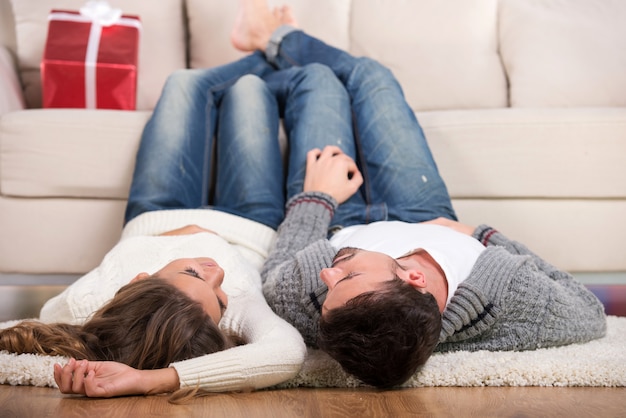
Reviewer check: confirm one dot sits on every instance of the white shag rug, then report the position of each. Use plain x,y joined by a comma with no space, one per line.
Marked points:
597,363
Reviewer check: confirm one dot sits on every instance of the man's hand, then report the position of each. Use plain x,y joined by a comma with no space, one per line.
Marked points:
332,172
105,379
457,226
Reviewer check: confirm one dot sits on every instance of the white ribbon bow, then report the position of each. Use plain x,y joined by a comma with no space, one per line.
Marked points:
100,12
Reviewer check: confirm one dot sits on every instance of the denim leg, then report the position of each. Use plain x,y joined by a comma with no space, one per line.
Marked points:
402,181
316,114
249,177
399,165
173,163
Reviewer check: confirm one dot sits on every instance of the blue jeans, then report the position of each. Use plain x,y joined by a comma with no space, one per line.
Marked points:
173,165
231,104
316,113
401,179
249,177
174,162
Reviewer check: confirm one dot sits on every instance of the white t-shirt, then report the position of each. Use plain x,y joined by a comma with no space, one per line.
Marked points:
456,253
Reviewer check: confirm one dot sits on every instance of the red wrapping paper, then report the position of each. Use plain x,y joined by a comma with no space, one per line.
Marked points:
66,80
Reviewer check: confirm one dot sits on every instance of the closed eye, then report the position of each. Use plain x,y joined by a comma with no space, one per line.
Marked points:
222,305
345,254
192,272
348,277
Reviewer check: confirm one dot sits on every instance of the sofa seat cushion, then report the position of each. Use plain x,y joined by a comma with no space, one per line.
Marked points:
480,153
69,152
530,153
161,47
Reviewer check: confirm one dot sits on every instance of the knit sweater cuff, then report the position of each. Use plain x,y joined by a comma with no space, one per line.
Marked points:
486,235
210,373
316,203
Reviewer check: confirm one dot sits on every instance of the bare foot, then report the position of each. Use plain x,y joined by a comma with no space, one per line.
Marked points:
285,16
253,26
277,13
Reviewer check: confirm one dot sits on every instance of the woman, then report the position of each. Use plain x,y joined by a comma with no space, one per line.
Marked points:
166,315
172,163
168,223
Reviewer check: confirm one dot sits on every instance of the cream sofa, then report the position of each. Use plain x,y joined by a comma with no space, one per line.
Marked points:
523,103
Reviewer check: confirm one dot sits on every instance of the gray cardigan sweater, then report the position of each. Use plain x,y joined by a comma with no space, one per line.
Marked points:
512,299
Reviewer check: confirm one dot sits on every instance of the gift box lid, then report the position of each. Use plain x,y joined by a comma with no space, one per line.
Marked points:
69,34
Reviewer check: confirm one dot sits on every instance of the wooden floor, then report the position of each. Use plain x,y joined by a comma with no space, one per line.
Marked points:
24,401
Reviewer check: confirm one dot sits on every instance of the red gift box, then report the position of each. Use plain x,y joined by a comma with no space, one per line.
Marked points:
90,64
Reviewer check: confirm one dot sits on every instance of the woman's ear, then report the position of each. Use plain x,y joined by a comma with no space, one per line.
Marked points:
140,276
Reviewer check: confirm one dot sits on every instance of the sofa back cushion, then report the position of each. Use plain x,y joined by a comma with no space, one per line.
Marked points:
444,52
211,22
7,26
161,51
564,53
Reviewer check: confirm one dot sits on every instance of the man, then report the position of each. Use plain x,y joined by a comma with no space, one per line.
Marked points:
385,294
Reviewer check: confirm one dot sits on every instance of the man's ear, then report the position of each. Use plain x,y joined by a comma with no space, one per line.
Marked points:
415,278
140,276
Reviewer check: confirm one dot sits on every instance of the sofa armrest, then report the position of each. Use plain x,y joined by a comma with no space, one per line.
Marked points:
11,96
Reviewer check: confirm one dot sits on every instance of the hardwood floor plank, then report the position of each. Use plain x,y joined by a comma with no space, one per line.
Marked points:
573,402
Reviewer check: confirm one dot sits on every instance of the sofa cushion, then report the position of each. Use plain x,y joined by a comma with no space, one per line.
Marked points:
161,51
480,153
69,152
564,52
575,235
11,99
211,22
7,25
530,153
57,235
444,53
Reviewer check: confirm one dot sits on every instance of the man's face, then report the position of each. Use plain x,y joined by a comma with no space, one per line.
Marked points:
355,271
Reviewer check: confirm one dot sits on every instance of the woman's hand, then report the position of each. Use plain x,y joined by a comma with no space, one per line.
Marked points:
188,230
457,226
105,379
332,172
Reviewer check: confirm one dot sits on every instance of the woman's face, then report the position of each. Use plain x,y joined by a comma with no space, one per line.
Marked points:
200,279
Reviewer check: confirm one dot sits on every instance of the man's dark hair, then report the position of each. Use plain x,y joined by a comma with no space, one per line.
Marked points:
382,337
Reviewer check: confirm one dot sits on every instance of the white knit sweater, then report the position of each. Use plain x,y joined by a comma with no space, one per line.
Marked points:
274,350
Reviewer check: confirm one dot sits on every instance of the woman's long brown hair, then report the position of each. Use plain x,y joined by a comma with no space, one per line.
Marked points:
147,325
